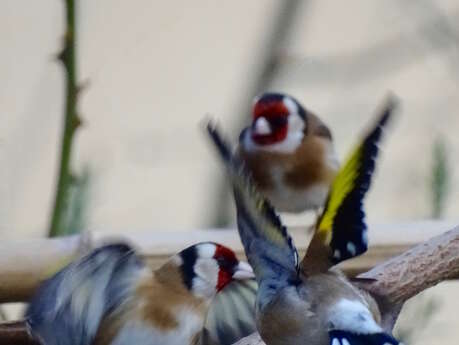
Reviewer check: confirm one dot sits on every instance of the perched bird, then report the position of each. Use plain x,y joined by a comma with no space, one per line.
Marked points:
311,302
289,152
112,297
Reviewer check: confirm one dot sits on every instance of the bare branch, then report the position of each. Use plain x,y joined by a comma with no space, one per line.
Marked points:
71,121
417,269
16,333
398,279
25,263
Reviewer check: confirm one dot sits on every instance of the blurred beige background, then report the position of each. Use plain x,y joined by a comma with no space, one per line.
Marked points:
157,68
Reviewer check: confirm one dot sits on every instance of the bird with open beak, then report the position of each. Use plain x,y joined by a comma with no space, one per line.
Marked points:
112,297
311,302
289,152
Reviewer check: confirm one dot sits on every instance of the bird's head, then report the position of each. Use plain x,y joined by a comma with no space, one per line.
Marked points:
277,118
208,267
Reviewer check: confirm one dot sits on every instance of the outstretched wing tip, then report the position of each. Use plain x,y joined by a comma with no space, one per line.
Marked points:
253,209
221,143
388,109
342,223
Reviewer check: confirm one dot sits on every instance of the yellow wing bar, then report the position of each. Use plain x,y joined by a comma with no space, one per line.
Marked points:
342,227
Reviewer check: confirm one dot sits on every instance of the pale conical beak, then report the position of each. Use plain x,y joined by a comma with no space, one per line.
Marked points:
261,126
243,271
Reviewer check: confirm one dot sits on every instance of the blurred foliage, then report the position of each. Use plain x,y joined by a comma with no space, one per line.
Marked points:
440,178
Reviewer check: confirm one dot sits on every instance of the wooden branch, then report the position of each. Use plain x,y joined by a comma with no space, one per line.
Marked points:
16,333
398,279
25,263
392,282
417,269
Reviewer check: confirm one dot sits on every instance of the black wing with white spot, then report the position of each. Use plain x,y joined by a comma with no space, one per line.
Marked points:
342,225
338,337
267,244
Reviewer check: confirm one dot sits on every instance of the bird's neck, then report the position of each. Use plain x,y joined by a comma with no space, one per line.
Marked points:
170,279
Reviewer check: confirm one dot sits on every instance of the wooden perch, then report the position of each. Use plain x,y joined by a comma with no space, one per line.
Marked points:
393,282
25,263
16,333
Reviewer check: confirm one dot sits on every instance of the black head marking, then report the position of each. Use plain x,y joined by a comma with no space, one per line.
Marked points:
189,257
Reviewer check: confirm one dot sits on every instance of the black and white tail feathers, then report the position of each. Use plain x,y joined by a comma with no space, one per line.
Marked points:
231,316
267,244
68,308
338,337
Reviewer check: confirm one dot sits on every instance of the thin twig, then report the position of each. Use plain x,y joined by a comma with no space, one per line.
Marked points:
71,123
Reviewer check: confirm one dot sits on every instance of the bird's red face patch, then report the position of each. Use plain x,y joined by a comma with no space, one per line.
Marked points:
270,122
227,262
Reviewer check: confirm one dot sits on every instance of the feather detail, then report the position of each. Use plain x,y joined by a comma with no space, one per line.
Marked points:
268,246
338,337
69,307
341,230
232,315
251,201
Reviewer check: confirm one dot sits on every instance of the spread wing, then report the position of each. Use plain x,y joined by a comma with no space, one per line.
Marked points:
341,231
69,307
267,245
232,314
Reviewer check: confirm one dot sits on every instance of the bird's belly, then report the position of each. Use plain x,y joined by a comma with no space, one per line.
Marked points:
286,199
137,332
310,334
291,320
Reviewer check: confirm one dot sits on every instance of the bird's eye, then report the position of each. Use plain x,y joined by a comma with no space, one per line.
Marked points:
278,121
221,261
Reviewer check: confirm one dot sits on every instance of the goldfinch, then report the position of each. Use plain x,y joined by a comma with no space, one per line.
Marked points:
311,302
112,297
289,152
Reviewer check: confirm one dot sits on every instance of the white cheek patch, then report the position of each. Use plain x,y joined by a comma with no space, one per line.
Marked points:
295,127
205,282
353,316
291,105
206,250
